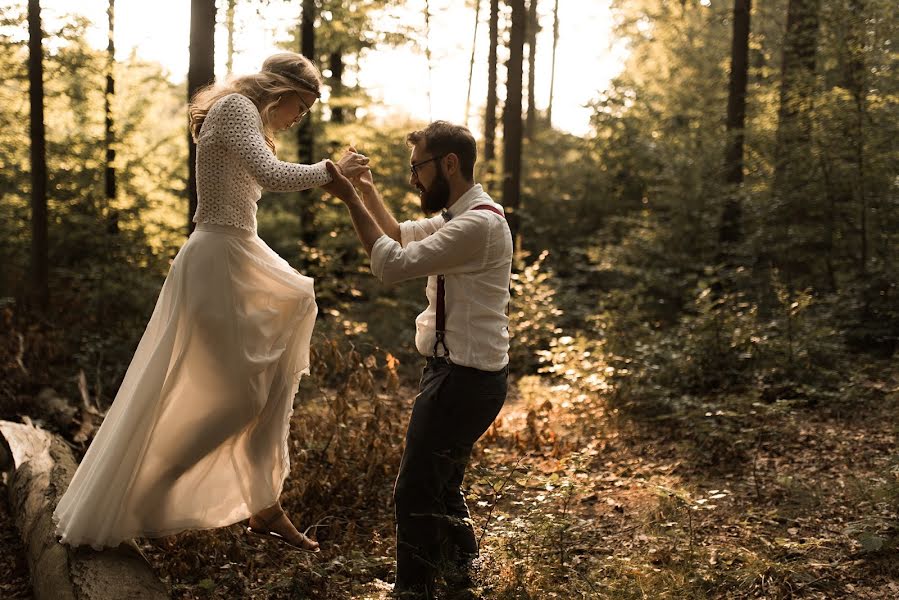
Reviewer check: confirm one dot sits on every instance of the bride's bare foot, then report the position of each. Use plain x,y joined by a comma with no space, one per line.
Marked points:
273,521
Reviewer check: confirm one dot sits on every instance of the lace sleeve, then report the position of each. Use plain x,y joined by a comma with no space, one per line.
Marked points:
239,129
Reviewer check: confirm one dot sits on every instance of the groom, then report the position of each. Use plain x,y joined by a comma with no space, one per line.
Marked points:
466,254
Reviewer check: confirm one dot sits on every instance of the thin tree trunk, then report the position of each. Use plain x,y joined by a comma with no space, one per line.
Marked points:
532,29
200,72
796,88
797,210
39,238
229,25
428,58
306,132
110,95
474,42
512,126
108,212
490,111
855,81
552,79
730,230
336,64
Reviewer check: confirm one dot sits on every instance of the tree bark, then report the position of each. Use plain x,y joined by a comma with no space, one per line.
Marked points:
552,78
306,131
110,95
856,82
512,126
40,467
796,209
39,238
229,25
474,42
730,230
796,88
533,28
428,59
336,82
201,72
490,111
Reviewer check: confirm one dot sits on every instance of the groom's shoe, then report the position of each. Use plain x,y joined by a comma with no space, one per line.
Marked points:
464,594
459,578
411,595
417,592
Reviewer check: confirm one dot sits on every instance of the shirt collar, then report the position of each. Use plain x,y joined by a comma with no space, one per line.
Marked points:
469,199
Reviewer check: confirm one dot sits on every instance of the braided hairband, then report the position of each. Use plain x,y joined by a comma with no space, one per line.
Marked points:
305,85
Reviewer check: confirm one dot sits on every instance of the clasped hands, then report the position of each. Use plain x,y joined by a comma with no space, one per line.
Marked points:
352,168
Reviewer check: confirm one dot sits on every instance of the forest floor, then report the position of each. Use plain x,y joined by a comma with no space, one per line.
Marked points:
576,500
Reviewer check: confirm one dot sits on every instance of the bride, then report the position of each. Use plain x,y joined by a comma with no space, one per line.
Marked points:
197,435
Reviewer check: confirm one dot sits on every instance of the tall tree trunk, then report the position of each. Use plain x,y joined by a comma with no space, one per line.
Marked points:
39,238
730,230
793,169
474,42
490,111
552,78
796,88
855,82
200,72
229,25
336,82
533,28
110,95
306,132
512,129
428,58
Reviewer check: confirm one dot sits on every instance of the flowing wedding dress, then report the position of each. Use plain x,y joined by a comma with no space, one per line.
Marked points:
197,435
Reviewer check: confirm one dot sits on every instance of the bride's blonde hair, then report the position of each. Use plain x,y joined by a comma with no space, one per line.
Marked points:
281,74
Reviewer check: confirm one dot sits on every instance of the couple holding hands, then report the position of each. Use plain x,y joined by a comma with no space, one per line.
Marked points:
197,436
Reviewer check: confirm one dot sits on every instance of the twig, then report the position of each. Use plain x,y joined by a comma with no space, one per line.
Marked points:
755,472
496,494
20,354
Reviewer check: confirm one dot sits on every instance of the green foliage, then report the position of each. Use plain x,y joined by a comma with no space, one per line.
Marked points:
532,315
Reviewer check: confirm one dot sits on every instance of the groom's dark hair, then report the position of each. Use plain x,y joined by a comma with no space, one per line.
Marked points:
442,137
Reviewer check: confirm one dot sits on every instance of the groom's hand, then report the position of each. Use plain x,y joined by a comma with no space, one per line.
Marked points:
352,164
364,180
340,186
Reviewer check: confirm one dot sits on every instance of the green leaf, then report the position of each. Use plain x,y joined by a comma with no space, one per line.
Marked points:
207,584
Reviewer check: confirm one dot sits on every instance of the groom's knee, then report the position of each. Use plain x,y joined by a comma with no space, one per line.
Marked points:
406,497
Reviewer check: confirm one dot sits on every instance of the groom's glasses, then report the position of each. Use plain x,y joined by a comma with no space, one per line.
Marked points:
414,166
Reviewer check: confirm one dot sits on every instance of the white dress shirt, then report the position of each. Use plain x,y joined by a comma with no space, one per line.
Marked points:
473,249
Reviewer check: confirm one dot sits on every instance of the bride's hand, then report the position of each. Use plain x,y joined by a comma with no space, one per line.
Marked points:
340,186
364,179
352,164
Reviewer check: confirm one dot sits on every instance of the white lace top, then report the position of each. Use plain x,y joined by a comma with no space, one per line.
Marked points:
234,165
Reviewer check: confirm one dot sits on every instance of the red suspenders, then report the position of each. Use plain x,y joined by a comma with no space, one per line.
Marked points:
440,329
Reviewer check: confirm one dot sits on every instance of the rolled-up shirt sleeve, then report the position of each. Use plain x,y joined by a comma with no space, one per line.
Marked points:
414,231
447,250
379,253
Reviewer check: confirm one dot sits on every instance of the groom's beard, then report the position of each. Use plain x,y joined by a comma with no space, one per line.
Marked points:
435,198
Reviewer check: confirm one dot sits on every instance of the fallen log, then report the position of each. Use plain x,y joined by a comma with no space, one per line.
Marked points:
39,467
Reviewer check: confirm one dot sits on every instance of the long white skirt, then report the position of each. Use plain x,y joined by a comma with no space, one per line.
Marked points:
197,435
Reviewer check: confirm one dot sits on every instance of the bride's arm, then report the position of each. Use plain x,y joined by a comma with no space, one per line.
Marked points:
239,131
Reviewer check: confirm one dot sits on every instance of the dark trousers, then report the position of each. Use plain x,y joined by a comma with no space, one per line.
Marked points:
454,407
